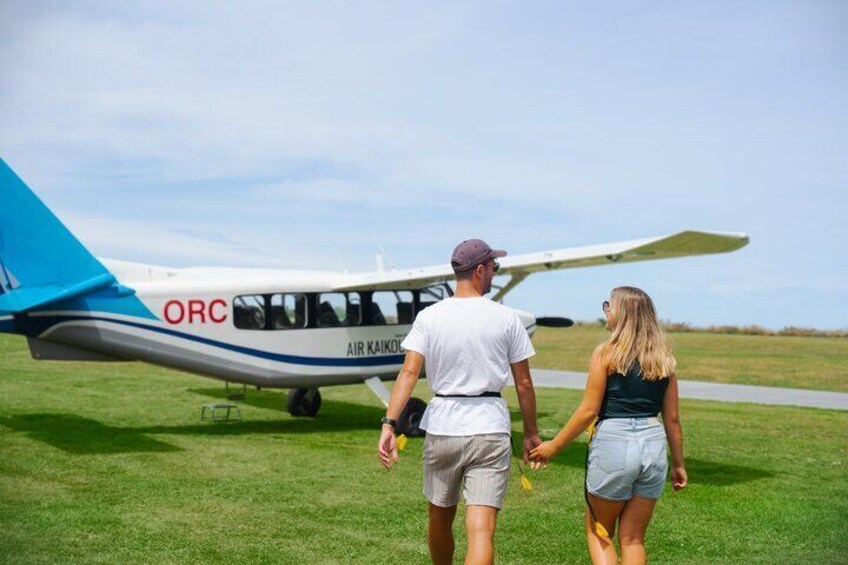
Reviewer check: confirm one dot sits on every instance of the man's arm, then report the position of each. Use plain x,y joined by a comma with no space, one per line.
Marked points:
527,401
406,380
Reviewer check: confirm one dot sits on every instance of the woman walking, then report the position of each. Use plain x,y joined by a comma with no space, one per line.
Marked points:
631,380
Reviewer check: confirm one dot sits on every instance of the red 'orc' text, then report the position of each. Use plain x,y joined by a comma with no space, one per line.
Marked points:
195,311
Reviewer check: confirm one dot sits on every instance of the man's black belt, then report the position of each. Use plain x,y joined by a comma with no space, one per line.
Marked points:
481,395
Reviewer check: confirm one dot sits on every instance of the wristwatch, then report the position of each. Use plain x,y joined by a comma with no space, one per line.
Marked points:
389,421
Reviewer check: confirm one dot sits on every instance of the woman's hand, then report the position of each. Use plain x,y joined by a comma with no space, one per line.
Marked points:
544,452
678,477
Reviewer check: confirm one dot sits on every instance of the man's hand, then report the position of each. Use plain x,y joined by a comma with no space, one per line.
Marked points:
531,442
387,448
678,477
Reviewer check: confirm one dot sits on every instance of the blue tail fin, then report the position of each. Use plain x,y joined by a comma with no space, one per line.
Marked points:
41,262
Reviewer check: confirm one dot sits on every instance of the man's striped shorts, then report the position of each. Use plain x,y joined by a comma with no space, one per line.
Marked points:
478,463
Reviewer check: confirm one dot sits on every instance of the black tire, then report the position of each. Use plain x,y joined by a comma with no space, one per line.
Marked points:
410,418
304,402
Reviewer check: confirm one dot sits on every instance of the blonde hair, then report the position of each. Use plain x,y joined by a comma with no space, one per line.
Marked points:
636,336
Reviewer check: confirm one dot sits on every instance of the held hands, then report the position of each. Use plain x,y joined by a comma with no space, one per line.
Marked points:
544,452
678,477
387,447
530,443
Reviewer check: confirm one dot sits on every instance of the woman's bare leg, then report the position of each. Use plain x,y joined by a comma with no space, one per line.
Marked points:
631,529
602,550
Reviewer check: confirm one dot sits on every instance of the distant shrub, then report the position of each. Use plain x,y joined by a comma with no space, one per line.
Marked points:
685,327
790,331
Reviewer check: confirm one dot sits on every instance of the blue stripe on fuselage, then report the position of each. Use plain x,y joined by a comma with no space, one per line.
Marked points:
49,321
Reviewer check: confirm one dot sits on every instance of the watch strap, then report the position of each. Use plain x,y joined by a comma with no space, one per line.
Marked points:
389,421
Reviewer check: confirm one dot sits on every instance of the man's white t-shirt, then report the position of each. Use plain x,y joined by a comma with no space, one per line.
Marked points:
468,345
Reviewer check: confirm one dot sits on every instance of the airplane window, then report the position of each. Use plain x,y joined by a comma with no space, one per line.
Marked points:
354,310
337,309
432,294
249,312
392,307
288,311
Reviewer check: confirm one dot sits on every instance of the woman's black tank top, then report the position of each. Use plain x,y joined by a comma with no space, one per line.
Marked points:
631,396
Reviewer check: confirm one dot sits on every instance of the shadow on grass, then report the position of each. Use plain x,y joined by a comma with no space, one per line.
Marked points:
699,471
722,474
335,416
265,399
82,436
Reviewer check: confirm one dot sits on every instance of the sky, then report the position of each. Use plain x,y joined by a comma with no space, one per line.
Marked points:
312,135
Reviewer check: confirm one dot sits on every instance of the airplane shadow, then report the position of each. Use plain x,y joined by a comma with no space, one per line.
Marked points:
335,416
266,399
699,471
84,436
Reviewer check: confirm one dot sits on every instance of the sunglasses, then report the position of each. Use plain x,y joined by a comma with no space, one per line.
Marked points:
496,267
605,305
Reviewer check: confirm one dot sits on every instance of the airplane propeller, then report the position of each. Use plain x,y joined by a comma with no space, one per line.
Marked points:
554,322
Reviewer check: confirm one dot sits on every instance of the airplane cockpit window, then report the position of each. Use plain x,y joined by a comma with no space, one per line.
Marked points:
339,309
392,307
249,312
288,311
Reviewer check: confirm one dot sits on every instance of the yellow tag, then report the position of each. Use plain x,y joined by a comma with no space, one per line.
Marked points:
591,429
401,442
601,530
525,483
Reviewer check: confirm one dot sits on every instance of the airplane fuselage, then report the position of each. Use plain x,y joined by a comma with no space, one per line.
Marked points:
264,328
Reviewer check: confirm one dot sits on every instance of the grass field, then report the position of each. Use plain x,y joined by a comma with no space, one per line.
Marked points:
819,363
109,463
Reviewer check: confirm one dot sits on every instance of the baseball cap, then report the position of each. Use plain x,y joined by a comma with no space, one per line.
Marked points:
472,252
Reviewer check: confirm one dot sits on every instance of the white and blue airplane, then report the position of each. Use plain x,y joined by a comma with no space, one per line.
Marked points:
269,328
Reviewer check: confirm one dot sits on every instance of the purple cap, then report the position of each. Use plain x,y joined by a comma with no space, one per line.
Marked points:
473,252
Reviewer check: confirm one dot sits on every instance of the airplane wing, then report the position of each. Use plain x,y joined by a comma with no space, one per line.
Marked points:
681,244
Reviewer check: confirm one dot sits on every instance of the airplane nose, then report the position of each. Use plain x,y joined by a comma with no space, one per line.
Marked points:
529,321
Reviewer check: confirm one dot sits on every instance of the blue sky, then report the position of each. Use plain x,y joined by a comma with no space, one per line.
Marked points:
294,136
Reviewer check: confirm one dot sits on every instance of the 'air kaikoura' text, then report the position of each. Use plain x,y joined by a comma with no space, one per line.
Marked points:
373,347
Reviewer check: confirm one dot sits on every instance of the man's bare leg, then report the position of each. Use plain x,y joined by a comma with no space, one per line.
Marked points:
440,534
480,524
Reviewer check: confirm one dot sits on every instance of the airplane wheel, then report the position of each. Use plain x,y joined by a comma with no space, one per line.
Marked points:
304,402
410,418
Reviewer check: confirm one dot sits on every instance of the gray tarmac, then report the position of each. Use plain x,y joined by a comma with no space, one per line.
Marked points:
544,378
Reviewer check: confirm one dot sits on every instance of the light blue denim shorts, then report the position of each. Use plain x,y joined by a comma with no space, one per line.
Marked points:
627,458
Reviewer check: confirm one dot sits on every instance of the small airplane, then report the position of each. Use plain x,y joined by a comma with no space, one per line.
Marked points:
299,330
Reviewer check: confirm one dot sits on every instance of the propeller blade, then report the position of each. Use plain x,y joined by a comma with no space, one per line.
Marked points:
554,322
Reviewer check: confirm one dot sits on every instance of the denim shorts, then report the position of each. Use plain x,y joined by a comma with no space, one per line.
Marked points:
627,457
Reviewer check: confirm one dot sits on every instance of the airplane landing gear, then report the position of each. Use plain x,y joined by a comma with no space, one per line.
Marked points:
304,402
410,418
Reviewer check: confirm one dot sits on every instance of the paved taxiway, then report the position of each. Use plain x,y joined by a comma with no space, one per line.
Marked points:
544,378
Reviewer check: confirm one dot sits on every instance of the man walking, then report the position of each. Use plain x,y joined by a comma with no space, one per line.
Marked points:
468,345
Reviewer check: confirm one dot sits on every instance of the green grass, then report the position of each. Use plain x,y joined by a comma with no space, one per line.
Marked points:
109,463
818,363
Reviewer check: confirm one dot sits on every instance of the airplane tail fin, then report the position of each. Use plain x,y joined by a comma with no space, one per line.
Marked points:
41,262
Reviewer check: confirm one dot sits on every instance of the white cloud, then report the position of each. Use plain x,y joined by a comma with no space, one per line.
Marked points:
178,131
